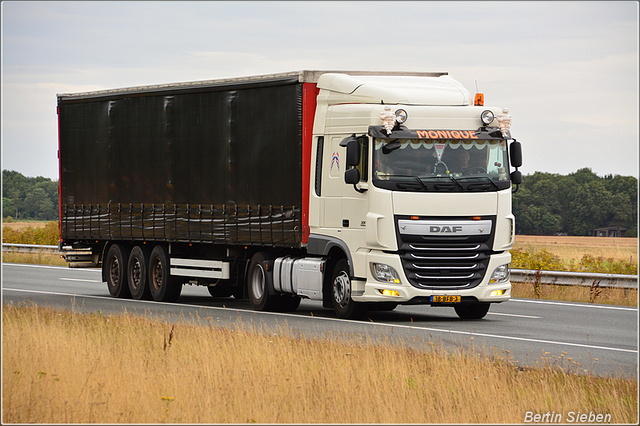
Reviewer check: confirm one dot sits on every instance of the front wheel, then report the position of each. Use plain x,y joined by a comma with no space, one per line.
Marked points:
344,306
472,311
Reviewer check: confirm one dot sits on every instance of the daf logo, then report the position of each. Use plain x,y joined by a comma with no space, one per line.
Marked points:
444,229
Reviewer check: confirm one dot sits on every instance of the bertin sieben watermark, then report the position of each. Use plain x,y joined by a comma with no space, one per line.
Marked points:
570,417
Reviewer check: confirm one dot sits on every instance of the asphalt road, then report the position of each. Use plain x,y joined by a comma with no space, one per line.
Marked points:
602,339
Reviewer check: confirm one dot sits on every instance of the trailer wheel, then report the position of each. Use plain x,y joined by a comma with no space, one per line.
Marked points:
115,272
258,284
163,287
137,271
344,306
472,311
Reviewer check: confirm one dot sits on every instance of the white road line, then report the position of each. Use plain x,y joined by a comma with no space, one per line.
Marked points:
28,265
409,327
512,315
579,305
77,279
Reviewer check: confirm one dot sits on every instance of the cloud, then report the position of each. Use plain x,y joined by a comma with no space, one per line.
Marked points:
566,70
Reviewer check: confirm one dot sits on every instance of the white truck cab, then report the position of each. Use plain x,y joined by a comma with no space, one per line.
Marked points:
413,179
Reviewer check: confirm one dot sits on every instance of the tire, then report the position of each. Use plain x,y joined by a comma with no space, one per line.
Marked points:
344,306
220,290
137,273
163,287
258,284
472,311
115,272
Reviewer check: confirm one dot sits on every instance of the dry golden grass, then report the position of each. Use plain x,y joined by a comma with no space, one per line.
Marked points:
568,248
61,367
20,226
581,294
34,258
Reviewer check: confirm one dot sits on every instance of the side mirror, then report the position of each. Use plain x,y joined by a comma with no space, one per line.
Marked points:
515,154
353,153
353,150
391,146
352,176
516,177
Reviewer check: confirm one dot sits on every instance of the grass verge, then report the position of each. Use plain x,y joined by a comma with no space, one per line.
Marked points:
61,367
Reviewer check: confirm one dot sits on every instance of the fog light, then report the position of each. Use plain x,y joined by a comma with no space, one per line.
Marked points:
386,292
384,273
401,116
497,293
487,117
501,274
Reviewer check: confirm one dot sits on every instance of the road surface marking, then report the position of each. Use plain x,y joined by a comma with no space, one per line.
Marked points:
410,327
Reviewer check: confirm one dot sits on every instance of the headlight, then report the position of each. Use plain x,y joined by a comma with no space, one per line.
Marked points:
401,116
486,117
500,274
384,273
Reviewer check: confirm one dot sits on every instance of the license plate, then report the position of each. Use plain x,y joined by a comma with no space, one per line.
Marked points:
446,299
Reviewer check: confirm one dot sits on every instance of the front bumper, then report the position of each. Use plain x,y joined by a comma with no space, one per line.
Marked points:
369,289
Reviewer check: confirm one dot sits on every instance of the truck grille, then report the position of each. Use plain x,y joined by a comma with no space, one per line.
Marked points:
445,262
445,265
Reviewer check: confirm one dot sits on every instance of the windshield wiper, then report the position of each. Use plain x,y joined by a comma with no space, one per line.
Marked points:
422,184
480,177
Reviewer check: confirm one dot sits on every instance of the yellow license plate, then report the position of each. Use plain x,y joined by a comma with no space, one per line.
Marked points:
446,299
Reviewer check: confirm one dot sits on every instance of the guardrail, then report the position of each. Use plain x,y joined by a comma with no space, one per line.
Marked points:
30,248
517,275
575,278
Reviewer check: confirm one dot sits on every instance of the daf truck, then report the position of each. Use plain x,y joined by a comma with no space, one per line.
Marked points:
361,190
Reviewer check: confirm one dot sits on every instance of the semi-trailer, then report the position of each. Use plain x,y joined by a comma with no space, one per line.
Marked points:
356,189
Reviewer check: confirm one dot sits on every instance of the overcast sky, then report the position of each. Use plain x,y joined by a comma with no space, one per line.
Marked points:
567,71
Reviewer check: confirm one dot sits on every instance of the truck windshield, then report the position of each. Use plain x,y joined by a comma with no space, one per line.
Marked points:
441,165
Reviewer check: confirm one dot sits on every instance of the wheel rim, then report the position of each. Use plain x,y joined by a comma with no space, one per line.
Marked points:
115,271
136,271
342,289
156,278
257,282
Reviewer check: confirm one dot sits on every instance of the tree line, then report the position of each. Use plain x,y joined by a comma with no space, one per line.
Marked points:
28,197
575,204
545,203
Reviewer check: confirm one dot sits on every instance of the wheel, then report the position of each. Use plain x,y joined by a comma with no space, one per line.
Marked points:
220,290
258,284
115,272
344,306
472,311
163,287
137,271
